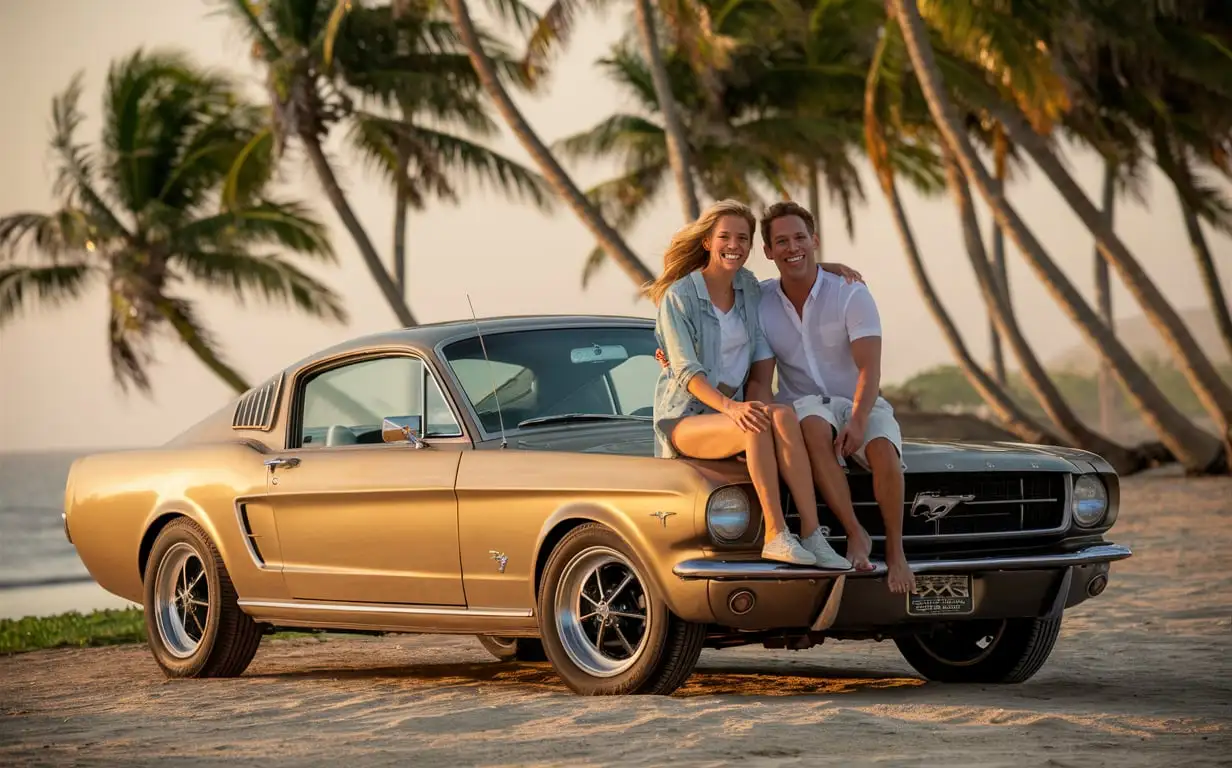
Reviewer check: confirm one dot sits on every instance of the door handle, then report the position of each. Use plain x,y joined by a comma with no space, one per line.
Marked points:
287,462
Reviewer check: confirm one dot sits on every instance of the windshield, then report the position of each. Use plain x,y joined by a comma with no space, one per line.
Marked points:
557,372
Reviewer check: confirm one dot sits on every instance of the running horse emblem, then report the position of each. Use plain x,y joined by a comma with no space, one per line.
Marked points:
933,506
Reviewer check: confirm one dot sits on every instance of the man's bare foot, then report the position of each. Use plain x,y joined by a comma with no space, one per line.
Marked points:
902,580
858,549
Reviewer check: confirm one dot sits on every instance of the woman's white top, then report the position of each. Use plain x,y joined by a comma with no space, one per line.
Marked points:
734,347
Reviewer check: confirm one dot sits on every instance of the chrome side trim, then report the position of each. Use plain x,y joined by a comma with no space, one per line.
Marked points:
738,570
503,613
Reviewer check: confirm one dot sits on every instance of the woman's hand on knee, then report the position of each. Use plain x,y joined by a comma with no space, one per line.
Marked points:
752,416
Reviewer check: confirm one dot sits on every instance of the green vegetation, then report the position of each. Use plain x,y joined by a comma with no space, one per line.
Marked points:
76,630
72,629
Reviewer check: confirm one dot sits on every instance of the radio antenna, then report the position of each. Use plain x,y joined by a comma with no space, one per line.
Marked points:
500,418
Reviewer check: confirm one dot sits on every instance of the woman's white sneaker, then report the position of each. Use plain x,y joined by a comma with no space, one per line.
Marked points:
786,548
823,553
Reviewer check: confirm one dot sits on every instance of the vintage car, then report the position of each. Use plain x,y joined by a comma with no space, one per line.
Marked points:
497,478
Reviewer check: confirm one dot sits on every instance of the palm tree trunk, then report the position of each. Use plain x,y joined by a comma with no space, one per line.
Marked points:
1195,449
1125,461
1103,300
1012,415
1207,384
378,270
1206,267
814,203
1000,150
677,139
608,238
400,203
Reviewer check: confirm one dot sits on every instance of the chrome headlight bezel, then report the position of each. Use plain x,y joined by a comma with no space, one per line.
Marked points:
729,514
1089,501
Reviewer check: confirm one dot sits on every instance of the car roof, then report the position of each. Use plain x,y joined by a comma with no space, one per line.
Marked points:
426,337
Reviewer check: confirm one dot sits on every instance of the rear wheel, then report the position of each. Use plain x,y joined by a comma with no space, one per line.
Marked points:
513,648
982,651
603,628
193,623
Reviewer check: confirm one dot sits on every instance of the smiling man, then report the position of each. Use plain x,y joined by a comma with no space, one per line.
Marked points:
825,333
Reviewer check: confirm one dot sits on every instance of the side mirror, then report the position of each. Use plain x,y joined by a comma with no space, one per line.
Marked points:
403,429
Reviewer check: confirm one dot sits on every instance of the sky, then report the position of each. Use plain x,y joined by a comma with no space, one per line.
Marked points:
56,388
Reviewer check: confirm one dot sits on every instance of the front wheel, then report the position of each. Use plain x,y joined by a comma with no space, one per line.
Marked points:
193,623
982,651
602,626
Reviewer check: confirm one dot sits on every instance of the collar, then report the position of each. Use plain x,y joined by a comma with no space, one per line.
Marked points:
821,276
699,283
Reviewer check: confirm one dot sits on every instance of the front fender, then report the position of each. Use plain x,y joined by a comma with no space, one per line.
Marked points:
654,542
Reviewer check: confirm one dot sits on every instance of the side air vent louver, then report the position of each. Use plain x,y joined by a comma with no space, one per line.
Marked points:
255,410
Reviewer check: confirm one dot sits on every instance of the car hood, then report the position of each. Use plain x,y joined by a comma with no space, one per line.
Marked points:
637,439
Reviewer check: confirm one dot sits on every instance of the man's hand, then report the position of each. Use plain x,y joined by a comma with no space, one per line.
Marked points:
843,271
851,437
662,358
751,416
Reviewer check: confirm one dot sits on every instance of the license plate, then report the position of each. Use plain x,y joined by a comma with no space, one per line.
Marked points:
937,594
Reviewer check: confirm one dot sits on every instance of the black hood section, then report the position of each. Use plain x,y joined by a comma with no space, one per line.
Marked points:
621,438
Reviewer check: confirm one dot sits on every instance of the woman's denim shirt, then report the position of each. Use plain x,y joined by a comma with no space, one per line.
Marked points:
687,328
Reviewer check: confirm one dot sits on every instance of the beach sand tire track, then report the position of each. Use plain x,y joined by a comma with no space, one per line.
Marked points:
230,639
671,647
1017,653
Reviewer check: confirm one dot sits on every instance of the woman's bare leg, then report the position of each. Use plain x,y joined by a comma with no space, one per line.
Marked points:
715,436
794,465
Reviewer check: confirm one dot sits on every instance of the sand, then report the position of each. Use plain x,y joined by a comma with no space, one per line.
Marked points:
1141,676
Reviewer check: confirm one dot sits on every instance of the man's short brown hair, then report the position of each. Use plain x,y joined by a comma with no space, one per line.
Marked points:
782,209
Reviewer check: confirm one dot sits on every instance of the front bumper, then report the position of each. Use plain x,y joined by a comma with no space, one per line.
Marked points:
792,597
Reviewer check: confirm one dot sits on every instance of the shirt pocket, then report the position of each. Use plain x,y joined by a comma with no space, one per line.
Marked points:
833,334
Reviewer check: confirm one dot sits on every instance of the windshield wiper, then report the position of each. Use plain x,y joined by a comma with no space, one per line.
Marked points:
563,418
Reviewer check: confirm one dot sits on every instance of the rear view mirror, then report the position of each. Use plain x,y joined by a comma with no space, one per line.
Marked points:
403,429
598,354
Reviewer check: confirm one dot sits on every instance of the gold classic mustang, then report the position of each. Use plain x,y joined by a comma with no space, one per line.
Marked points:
498,479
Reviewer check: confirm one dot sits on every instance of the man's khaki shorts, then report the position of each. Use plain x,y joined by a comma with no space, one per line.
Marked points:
836,411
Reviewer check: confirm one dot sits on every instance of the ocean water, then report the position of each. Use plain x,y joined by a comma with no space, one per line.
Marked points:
33,549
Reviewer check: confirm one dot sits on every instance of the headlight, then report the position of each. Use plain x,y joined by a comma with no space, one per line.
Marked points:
1090,502
727,514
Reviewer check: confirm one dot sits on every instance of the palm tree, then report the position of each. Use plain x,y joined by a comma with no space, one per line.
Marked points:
144,212
1197,450
763,139
429,110
609,238
555,29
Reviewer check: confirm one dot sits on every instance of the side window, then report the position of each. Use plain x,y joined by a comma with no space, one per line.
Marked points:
346,405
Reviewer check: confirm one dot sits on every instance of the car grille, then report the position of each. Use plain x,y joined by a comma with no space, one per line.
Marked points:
1005,503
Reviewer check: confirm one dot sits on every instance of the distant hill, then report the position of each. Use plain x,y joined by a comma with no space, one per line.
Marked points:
1144,342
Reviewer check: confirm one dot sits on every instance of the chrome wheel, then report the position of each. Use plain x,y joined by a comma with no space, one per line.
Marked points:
602,614
181,600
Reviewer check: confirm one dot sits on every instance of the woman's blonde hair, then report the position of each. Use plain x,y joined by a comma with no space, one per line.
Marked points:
687,252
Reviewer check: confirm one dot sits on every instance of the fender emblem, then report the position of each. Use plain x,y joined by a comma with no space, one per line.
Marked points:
500,557
662,516
933,506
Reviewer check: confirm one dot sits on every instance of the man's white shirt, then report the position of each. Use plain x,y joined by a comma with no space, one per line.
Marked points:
814,351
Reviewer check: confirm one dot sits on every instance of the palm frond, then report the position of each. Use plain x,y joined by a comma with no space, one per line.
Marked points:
75,177
382,143
276,280
463,158
50,235
632,140
622,202
183,320
290,225
53,284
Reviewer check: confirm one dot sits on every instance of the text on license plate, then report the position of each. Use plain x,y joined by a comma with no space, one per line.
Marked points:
940,594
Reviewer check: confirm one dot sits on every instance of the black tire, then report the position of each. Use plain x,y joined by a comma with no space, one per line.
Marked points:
667,647
183,645
1018,649
513,648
